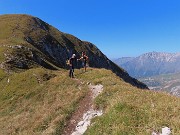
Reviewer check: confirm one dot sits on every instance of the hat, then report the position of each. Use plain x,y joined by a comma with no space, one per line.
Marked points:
74,55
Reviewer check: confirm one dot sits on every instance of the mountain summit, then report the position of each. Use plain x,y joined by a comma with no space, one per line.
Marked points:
150,64
27,42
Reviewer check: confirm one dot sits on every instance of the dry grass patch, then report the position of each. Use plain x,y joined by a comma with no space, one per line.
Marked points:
38,101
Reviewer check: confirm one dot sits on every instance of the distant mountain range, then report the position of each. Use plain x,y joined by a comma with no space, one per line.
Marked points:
150,64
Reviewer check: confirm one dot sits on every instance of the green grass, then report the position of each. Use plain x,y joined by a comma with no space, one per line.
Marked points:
11,31
40,101
3,74
37,100
128,110
2,51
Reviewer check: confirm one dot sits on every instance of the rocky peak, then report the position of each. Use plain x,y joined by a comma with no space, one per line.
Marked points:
157,56
152,63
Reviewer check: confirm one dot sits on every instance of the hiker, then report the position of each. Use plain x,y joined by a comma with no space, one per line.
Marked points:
84,59
71,64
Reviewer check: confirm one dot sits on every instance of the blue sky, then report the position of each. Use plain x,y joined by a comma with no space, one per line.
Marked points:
117,27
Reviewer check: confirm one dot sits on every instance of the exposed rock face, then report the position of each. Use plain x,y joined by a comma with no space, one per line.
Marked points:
150,64
33,43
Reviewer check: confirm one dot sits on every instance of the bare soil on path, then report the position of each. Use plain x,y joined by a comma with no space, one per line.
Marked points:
80,119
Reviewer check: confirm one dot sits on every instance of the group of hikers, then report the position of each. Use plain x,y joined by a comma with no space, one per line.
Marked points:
72,60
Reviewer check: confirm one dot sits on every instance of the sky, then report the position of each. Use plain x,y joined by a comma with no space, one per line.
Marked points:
119,28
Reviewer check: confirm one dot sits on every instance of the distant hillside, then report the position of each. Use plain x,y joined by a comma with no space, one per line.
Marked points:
27,42
150,64
166,82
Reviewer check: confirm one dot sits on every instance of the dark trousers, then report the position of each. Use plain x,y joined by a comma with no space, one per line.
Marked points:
71,72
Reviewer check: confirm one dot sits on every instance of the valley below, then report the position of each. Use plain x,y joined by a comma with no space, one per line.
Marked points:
158,70
167,82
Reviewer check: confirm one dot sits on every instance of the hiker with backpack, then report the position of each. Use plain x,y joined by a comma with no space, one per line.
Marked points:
84,59
71,63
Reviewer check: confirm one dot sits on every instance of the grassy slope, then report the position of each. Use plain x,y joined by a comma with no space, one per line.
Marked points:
15,32
129,110
32,104
40,101
12,32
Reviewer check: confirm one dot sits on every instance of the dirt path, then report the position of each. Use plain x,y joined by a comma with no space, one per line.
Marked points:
81,118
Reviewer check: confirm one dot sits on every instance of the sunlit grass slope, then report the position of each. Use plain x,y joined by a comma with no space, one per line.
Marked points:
37,101
131,111
40,102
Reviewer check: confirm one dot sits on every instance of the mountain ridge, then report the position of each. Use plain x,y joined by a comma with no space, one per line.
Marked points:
152,63
30,42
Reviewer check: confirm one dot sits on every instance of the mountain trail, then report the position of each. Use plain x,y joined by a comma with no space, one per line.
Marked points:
85,111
